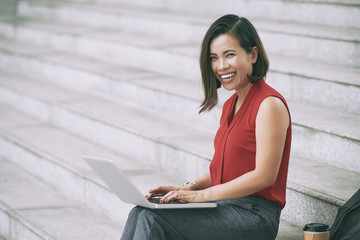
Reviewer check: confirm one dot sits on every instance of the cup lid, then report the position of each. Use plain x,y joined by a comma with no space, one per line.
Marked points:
316,227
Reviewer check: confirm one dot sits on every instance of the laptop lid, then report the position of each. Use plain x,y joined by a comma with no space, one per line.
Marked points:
122,187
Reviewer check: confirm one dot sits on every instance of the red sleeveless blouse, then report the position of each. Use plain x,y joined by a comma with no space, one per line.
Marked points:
235,143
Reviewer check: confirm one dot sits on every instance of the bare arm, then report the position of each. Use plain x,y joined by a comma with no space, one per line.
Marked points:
201,183
272,122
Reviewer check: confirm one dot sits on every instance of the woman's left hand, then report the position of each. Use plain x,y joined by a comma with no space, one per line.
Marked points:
187,196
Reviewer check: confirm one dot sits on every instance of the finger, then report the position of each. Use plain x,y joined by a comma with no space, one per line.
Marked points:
176,195
163,199
168,197
183,196
149,195
186,196
155,191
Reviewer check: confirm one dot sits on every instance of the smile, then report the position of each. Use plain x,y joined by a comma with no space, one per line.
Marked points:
227,76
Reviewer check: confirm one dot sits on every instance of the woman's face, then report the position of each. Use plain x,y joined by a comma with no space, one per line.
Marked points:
230,62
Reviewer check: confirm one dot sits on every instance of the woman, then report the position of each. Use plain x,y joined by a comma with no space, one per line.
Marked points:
247,176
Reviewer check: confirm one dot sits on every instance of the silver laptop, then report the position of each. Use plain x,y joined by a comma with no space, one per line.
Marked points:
116,180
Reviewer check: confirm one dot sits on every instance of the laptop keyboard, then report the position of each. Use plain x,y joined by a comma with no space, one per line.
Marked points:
156,200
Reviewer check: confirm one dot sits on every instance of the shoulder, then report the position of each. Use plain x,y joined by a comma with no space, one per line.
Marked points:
269,99
265,90
273,103
273,109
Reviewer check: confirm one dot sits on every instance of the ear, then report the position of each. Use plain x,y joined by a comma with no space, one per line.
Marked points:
254,54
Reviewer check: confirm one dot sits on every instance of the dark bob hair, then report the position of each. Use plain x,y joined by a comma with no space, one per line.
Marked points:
245,32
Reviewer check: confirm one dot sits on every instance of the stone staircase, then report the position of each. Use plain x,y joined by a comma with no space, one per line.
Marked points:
121,80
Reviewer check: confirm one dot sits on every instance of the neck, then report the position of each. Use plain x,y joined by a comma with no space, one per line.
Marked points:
241,95
243,92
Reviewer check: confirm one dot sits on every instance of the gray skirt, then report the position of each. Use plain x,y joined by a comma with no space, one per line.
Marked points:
244,218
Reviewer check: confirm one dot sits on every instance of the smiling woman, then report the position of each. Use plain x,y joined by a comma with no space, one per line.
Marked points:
232,65
243,39
248,173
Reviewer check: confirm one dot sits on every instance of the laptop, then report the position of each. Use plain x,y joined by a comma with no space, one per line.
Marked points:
122,187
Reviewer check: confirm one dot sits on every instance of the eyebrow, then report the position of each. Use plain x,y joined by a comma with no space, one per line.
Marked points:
229,50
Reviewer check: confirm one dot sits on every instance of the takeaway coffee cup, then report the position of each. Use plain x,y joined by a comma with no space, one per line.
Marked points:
316,231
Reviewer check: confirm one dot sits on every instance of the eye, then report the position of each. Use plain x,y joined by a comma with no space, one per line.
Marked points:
229,55
213,58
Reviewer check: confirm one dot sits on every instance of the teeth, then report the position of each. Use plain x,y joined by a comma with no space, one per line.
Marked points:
227,75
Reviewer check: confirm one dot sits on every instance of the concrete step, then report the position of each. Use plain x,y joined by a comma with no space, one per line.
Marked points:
121,17
309,181
52,210
124,128
55,157
317,134
325,12
118,126
286,75
31,209
316,129
320,84
130,49
321,44
327,44
173,96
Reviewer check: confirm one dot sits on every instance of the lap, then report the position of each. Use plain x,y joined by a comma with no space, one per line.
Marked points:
245,218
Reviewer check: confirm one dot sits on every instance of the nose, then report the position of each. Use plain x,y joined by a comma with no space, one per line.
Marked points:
223,64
